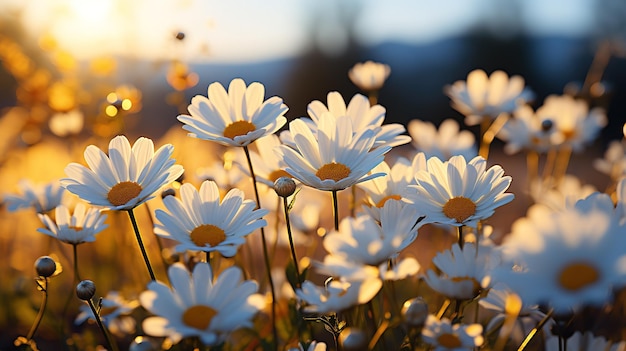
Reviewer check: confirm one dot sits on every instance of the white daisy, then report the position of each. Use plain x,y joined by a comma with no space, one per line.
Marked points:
407,267
124,179
462,272
76,228
458,192
445,336
114,313
483,96
614,162
362,115
369,75
237,117
67,123
620,195
527,131
584,342
575,125
199,305
565,194
336,158
445,142
566,259
201,222
336,296
41,197
268,166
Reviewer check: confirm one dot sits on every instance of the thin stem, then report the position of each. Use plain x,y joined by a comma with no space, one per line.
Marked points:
461,239
268,268
535,330
42,308
562,161
532,166
293,249
335,209
156,237
111,344
131,214
76,275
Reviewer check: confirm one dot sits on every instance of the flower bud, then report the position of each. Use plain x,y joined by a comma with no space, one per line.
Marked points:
168,192
85,290
352,339
415,312
284,186
45,266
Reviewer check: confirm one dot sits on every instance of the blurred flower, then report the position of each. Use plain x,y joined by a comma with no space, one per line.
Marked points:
614,162
483,96
124,179
574,124
369,75
224,172
114,313
527,131
566,259
198,305
462,272
237,117
179,77
268,166
336,296
565,194
67,123
313,346
41,197
79,227
405,268
584,342
362,117
444,143
445,336
328,162
201,222
458,192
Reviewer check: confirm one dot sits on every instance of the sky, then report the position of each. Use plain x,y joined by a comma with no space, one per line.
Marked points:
255,30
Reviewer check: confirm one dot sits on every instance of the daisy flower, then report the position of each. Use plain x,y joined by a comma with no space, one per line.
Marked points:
114,313
445,142
458,192
126,177
369,75
575,125
199,221
334,159
566,259
565,194
463,272
199,305
362,115
79,227
614,162
483,96
527,131
234,118
336,296
445,336
268,165
42,197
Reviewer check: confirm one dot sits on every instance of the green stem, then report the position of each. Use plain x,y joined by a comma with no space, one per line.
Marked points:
133,220
76,275
535,330
96,315
461,240
268,268
335,209
293,249
42,308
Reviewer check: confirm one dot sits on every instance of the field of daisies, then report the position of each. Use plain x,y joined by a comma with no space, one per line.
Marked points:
241,230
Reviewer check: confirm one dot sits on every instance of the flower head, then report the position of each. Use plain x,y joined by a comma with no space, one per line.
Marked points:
483,96
126,177
334,159
76,228
445,336
527,131
41,197
369,75
445,142
237,117
458,192
114,313
200,221
199,305
336,295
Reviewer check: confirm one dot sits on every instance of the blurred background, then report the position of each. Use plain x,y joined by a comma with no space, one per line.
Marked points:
78,54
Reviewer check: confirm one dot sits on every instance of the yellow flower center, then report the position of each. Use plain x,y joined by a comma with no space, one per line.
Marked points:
198,316
207,234
578,275
381,203
450,341
277,174
334,171
459,208
123,192
238,128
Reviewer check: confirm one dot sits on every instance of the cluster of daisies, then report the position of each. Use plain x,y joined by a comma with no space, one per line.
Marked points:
567,254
